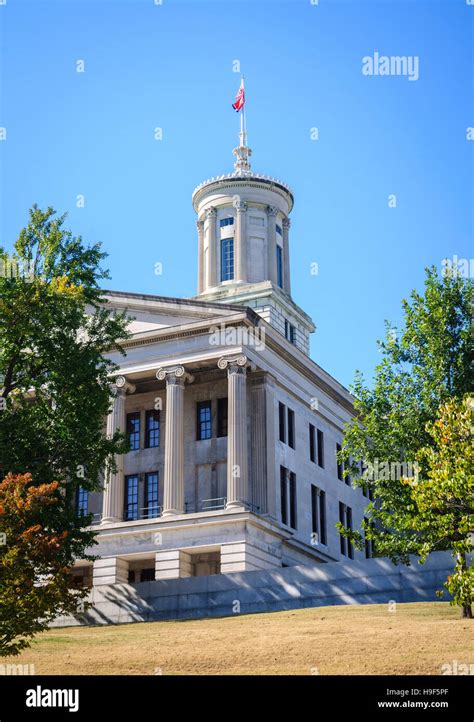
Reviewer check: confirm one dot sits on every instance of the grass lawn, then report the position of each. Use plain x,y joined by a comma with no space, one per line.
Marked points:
414,639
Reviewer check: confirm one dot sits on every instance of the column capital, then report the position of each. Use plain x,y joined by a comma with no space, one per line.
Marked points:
173,374
286,222
211,212
239,204
239,363
272,210
200,225
124,386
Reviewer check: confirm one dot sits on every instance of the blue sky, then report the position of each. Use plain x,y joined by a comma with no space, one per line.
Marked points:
171,66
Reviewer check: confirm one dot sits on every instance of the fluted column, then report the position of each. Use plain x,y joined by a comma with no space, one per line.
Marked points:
200,229
113,498
237,446
173,485
271,240
211,276
286,255
240,240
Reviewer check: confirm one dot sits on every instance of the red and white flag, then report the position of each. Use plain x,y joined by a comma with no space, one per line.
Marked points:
239,98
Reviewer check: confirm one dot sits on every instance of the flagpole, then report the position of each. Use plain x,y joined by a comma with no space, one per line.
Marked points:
244,120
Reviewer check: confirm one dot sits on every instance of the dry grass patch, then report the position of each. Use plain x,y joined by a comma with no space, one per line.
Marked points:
415,639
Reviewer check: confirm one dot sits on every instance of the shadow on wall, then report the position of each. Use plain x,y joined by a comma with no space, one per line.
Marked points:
376,581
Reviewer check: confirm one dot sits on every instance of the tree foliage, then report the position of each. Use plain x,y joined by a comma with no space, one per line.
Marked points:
54,378
425,364
444,496
34,562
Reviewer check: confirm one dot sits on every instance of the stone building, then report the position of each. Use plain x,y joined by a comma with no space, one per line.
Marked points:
233,429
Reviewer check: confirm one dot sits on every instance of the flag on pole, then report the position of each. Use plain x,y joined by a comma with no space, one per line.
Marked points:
239,98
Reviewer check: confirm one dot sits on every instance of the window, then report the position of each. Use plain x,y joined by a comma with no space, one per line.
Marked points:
204,420
342,517
340,465
350,548
288,497
227,259
282,421
152,429
320,449
131,497
278,230
292,490
312,450
289,332
151,495
279,266
291,428
318,512
347,479
369,544
283,494
82,501
226,222
286,420
345,517
133,430
147,575
222,417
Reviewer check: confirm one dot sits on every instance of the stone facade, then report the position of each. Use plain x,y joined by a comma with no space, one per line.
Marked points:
225,385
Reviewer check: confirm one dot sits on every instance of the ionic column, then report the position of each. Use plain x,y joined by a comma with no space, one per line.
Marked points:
286,255
271,240
200,229
173,485
240,240
211,277
237,447
112,502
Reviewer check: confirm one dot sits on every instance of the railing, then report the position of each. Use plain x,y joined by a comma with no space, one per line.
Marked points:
218,502
154,511
147,512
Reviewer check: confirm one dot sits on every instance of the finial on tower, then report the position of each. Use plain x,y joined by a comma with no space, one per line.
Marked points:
242,152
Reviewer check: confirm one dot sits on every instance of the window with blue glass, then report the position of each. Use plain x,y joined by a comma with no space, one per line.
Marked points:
278,230
151,494
133,430
289,332
204,420
131,497
152,429
82,502
280,266
227,222
227,259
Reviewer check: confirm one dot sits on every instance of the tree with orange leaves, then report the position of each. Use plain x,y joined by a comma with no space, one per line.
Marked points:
34,563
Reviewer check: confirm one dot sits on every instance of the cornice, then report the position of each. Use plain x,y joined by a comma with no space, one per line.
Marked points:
273,340
255,180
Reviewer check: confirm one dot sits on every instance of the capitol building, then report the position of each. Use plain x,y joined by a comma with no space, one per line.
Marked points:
233,429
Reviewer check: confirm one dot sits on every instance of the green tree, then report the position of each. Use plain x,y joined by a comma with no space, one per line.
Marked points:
425,364
54,378
444,497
